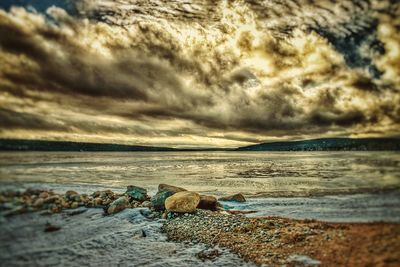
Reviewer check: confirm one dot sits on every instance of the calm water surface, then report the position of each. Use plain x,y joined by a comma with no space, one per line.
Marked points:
253,173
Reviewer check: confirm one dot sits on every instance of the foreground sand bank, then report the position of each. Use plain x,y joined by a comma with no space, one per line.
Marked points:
275,241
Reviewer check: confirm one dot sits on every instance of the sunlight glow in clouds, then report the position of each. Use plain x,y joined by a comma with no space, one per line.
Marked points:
206,73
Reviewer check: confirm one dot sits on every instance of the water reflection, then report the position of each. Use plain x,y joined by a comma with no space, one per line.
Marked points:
257,173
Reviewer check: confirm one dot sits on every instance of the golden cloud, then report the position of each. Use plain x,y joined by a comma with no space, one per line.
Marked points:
220,73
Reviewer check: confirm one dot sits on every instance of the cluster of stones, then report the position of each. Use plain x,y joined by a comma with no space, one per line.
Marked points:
168,199
14,202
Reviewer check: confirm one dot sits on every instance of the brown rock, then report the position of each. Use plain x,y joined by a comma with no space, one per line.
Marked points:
182,202
52,199
108,193
236,198
146,204
98,201
51,228
107,201
84,198
170,188
27,200
70,193
29,191
208,203
134,204
62,202
208,254
96,194
55,209
118,205
74,205
38,202
44,194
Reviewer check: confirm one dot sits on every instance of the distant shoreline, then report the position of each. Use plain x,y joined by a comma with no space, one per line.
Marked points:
324,144
69,146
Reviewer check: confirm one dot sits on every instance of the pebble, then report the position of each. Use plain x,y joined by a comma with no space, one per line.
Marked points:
208,254
74,205
51,199
146,204
38,202
44,195
70,194
98,201
51,228
76,211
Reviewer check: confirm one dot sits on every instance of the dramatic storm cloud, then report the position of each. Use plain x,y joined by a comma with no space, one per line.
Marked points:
199,73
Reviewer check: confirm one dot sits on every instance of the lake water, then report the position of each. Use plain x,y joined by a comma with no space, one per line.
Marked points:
332,186
252,173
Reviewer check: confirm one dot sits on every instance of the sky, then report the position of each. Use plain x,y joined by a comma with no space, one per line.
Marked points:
199,73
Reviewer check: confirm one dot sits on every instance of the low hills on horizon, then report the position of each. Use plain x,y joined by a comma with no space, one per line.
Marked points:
322,144
328,144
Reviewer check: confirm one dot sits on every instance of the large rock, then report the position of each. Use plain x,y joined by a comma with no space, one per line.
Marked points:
158,200
136,193
118,205
208,203
235,198
183,202
170,188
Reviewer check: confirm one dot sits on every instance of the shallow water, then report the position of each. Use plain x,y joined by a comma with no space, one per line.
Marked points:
90,239
253,173
366,207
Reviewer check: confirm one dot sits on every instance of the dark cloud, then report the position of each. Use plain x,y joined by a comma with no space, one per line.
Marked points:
209,72
10,119
339,119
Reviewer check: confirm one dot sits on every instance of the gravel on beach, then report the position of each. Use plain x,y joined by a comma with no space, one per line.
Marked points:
267,241
278,241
